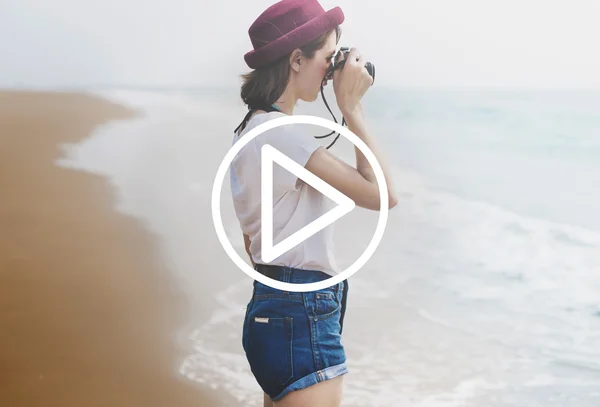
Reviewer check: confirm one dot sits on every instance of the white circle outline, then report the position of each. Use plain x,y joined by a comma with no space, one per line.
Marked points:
218,185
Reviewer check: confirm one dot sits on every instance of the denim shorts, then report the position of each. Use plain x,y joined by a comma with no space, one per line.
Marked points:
292,340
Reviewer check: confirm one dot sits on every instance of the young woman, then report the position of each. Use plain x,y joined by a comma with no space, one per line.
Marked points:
292,340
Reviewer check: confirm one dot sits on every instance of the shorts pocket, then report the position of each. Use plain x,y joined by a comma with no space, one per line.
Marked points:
326,303
269,351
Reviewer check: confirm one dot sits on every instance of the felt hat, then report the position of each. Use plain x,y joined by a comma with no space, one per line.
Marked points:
287,25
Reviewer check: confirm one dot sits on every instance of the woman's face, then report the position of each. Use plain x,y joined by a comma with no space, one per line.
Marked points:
312,71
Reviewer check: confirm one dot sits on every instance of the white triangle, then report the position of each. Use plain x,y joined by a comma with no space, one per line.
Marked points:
270,155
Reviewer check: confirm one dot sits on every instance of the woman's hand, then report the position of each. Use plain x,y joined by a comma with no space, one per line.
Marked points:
351,82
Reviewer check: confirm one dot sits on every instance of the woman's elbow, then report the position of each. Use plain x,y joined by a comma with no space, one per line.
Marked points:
375,204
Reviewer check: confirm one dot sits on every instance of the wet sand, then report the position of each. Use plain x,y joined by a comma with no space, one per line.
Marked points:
87,309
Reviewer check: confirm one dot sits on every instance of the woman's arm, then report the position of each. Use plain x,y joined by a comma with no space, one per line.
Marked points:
247,245
359,183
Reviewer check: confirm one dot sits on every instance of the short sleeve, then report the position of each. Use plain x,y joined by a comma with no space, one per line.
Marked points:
291,141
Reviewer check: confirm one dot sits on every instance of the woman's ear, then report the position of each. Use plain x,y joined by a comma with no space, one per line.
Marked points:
296,60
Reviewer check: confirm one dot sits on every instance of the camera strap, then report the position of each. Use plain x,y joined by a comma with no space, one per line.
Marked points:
252,109
273,108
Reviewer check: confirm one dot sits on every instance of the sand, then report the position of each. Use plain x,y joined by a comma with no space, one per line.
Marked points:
87,308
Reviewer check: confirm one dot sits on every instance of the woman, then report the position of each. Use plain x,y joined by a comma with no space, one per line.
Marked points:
292,340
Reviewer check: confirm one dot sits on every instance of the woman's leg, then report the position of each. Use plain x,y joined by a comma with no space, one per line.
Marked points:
324,394
267,401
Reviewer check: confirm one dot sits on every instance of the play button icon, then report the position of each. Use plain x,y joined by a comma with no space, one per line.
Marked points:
269,156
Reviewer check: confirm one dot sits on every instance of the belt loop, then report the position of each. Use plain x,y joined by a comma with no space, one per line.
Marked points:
287,274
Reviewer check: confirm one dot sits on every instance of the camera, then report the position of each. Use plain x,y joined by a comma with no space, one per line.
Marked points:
329,75
339,65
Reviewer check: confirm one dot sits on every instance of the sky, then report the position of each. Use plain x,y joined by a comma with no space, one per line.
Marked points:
181,43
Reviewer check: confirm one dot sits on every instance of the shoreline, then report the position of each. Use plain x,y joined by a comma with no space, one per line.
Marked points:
88,310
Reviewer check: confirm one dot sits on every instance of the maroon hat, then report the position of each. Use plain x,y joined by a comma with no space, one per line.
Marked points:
287,25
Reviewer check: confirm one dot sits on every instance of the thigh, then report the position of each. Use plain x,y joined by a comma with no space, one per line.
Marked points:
324,394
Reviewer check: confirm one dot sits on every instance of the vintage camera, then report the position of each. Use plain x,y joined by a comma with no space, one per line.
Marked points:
339,65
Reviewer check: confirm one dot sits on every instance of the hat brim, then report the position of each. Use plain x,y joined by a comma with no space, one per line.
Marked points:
295,38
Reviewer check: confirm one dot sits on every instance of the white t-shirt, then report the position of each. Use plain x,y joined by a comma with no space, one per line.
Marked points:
295,203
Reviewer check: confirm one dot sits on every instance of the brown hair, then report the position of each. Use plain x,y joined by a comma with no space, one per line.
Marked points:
264,85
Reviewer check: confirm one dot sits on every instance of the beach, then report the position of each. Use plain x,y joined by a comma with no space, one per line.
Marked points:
115,289
87,307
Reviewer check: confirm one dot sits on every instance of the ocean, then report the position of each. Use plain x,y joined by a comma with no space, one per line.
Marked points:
485,290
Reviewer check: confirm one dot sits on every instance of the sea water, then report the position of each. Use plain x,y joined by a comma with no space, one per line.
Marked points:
485,290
